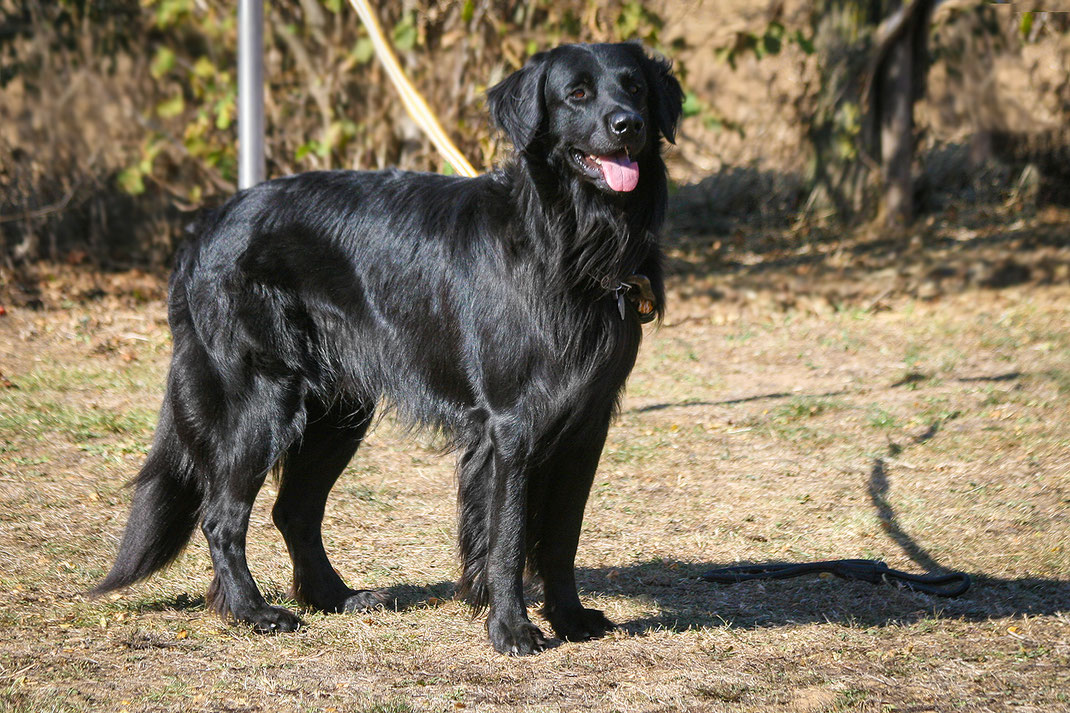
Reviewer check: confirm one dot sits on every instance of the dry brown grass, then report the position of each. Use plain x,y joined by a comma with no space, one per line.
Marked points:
751,432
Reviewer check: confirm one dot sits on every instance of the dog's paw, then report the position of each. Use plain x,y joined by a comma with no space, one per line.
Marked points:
272,620
519,638
362,600
579,624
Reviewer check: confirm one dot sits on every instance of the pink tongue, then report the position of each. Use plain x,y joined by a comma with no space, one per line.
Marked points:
620,172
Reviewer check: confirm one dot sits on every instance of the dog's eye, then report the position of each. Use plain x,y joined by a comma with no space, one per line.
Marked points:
578,93
633,88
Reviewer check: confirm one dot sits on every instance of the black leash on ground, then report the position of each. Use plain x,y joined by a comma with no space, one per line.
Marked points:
873,571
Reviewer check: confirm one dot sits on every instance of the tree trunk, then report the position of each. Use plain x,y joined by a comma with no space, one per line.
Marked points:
843,31
900,69
896,105
872,61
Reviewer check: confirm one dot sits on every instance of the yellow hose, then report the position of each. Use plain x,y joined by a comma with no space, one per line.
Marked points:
411,98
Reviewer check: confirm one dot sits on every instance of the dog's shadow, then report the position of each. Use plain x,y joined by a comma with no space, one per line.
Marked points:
679,600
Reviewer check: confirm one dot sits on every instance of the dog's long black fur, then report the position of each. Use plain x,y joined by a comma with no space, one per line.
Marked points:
486,308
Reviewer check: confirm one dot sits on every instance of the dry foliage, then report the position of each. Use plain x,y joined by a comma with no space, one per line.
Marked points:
130,104
116,116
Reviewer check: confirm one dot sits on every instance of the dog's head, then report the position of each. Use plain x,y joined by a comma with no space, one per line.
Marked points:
601,110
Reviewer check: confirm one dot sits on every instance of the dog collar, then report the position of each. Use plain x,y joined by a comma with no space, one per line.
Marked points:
638,291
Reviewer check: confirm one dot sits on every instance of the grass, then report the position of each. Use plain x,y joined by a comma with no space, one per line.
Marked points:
749,435
803,407
47,418
881,419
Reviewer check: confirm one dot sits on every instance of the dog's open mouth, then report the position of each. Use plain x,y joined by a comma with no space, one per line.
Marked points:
618,170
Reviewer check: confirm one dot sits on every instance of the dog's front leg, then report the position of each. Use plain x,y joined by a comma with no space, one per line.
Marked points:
567,476
507,624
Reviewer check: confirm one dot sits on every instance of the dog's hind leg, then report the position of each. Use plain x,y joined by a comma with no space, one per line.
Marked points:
554,528
309,470
258,429
472,503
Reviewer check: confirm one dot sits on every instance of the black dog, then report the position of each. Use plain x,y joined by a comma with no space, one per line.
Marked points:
492,309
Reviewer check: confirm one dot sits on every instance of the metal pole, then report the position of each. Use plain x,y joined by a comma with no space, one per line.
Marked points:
250,93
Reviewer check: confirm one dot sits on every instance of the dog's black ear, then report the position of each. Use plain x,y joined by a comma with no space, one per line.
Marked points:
517,104
665,96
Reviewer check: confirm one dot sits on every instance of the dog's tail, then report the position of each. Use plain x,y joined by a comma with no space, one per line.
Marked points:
166,508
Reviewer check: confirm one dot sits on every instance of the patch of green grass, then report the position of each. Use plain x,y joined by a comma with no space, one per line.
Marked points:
727,692
25,461
913,357
64,379
999,341
879,418
744,335
114,452
634,451
140,602
950,360
851,698
17,698
672,351
937,409
855,313
40,419
993,396
794,433
380,498
174,688
392,706
845,342
911,380
1061,379
803,407
787,421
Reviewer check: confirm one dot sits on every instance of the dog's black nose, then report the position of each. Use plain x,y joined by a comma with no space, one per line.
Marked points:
625,123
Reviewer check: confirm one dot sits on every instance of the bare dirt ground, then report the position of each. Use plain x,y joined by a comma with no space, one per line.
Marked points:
815,402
